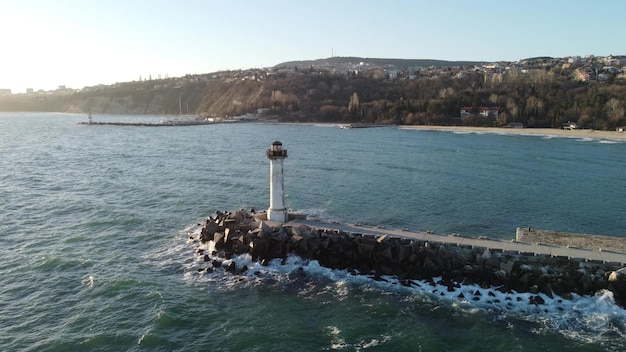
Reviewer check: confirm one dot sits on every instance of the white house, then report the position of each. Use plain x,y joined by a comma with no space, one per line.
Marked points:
485,111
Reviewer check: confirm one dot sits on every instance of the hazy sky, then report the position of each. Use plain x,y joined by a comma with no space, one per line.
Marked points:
78,43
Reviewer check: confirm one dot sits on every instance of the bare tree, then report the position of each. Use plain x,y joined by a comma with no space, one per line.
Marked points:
353,105
512,107
615,111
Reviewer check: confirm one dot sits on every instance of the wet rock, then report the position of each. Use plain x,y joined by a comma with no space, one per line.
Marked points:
585,283
508,266
232,267
365,250
387,254
265,229
618,276
493,261
296,231
428,264
206,234
404,253
617,285
501,274
547,290
218,238
534,289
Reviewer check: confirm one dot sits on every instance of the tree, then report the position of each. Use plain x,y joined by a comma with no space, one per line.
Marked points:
502,120
534,106
353,105
615,111
512,108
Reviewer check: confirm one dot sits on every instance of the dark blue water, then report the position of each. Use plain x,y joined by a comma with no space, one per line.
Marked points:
94,222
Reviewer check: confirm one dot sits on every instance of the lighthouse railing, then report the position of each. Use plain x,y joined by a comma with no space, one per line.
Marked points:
270,153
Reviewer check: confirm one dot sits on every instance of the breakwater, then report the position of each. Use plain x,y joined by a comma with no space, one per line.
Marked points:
450,263
148,124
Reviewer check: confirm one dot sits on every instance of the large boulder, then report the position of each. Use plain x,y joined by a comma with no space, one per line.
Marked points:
617,285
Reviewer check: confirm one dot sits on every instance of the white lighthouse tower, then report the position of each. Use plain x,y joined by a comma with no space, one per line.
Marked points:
276,211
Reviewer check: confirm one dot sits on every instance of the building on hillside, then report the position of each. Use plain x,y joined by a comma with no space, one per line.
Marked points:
573,59
491,111
392,74
581,74
612,61
5,92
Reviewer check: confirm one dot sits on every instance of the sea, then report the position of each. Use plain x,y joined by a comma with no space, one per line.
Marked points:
96,225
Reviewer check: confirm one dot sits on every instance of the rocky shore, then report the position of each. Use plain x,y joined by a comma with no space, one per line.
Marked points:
241,232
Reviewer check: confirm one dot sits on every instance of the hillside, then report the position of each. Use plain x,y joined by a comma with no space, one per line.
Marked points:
537,92
400,64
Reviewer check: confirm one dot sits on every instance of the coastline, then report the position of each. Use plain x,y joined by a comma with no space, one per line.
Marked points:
582,133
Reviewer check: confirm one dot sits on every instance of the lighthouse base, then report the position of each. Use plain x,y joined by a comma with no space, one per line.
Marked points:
278,215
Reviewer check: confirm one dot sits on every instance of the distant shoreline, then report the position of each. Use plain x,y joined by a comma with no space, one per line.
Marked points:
582,133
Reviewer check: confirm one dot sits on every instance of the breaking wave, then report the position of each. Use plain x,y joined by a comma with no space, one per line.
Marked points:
585,319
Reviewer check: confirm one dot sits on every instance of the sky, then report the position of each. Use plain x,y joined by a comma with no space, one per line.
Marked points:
78,43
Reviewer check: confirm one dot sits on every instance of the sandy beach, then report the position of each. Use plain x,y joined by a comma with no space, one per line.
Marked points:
582,133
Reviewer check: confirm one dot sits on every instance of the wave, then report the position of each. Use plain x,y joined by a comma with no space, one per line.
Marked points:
586,319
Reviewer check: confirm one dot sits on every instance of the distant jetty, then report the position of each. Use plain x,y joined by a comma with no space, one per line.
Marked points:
148,124
364,125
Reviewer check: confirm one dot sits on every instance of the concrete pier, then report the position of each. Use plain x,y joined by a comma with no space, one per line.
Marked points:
602,249
538,268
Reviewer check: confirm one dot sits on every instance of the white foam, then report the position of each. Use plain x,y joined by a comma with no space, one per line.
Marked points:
88,281
337,342
582,318
317,213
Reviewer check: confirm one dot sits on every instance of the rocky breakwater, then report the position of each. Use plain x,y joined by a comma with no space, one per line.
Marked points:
409,260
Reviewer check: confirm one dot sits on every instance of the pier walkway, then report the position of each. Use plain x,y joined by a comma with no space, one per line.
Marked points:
595,254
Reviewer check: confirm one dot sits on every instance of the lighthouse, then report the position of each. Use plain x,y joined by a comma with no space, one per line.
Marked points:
277,155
